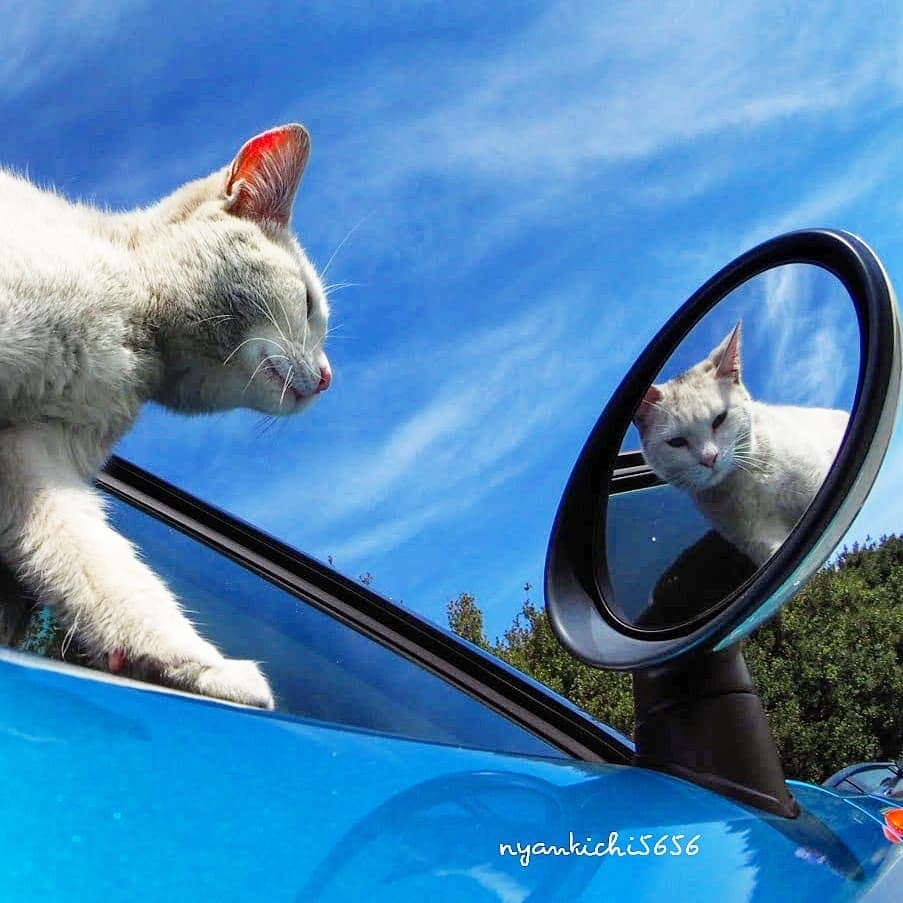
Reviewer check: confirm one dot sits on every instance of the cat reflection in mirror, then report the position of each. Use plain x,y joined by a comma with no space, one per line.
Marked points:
203,302
752,468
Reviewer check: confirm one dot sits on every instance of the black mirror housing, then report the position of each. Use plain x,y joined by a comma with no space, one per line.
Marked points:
697,713
578,595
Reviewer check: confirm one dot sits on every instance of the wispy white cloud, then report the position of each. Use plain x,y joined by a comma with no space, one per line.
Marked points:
391,531
493,397
809,329
584,112
581,86
40,41
829,202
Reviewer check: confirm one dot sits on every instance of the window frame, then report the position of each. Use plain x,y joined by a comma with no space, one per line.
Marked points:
482,676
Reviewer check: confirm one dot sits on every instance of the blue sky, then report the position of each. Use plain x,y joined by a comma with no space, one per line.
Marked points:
521,193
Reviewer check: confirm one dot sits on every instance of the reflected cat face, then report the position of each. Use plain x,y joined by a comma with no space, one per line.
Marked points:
695,428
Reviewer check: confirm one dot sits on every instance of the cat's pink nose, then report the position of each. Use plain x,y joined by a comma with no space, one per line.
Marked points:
325,378
709,458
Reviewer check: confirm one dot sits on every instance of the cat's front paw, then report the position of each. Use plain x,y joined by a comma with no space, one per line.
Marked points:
231,679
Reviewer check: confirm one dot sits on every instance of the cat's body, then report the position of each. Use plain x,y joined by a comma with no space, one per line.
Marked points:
203,302
752,468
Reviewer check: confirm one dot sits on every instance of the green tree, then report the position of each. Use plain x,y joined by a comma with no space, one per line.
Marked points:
829,667
466,619
530,646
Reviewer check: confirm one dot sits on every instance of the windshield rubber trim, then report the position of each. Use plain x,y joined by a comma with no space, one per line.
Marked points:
480,675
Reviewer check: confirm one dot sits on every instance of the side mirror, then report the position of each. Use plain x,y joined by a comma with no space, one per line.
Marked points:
760,415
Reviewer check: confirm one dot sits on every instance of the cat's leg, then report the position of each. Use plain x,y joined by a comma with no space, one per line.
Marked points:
53,531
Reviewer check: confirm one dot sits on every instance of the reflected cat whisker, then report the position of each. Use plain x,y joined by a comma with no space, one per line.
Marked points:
67,639
662,408
746,469
214,317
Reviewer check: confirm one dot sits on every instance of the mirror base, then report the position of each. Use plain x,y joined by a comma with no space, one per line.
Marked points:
701,720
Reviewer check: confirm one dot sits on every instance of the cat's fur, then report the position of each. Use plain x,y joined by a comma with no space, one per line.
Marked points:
203,302
753,471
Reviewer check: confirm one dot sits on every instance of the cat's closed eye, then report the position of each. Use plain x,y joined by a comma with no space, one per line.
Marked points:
719,420
677,442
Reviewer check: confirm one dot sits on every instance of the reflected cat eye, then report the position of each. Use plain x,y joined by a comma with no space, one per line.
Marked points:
719,420
677,442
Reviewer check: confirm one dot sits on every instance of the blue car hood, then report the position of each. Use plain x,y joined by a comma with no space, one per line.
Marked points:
113,792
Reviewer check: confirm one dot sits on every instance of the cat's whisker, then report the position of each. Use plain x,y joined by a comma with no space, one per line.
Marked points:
261,365
267,426
328,334
310,369
265,310
341,244
318,344
288,335
338,286
259,424
750,459
253,339
285,384
67,639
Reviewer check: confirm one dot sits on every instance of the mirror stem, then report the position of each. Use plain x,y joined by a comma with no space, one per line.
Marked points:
701,720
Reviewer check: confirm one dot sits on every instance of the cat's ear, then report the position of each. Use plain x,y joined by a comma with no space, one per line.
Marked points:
726,357
265,174
647,405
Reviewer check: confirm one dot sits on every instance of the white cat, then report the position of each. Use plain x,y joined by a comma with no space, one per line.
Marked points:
203,302
752,468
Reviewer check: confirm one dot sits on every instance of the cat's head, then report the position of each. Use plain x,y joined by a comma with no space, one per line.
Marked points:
241,312
696,428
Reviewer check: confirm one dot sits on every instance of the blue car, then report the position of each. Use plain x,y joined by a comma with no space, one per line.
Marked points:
403,763
879,778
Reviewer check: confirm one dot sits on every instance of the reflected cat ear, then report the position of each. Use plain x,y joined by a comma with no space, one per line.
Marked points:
726,356
647,405
265,174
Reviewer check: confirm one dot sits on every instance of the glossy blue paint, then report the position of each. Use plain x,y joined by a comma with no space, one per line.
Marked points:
113,791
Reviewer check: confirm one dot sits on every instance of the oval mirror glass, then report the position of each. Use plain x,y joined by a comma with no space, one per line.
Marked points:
736,435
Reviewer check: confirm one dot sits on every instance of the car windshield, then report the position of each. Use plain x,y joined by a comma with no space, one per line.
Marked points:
318,667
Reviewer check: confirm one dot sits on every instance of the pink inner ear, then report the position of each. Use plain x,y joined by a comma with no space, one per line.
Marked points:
653,394
266,172
729,365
